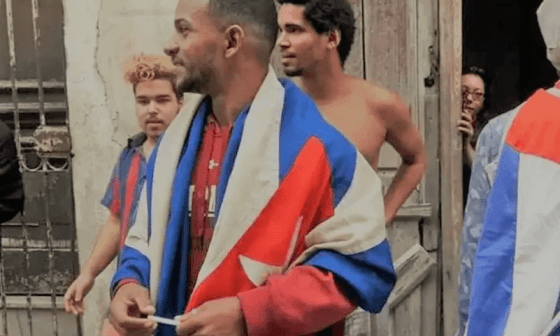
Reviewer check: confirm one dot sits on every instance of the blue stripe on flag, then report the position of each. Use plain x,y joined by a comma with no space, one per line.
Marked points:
171,298
367,277
493,270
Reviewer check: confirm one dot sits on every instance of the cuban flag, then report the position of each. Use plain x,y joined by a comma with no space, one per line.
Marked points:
516,279
292,191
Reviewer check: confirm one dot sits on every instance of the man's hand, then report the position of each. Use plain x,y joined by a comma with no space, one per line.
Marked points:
129,310
74,297
222,317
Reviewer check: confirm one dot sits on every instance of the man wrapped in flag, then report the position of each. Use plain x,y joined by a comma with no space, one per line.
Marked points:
258,217
510,273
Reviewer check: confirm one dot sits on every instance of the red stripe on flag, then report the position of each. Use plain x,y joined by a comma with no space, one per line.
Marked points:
536,128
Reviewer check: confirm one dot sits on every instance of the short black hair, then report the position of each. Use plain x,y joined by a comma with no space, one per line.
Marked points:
486,79
328,15
261,14
485,114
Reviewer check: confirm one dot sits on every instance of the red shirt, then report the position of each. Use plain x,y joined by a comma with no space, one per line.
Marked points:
203,194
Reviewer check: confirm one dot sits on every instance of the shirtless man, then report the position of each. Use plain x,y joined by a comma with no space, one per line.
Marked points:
315,40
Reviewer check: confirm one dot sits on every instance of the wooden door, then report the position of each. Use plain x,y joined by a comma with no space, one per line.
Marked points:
400,54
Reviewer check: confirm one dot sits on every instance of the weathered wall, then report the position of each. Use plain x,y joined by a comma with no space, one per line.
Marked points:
99,36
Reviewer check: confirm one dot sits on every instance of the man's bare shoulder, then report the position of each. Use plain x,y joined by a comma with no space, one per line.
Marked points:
381,101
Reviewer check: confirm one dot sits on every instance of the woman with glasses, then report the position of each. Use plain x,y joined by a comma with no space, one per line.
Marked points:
474,88
474,84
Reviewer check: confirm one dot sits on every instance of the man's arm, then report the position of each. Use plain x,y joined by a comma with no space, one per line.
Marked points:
285,304
289,304
105,247
405,138
304,300
104,251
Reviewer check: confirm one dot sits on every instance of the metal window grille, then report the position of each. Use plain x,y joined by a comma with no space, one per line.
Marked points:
37,250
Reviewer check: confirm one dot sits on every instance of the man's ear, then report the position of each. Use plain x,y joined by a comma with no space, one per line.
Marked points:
234,38
334,37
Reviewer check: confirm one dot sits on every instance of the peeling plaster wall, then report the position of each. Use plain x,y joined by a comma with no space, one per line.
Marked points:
99,36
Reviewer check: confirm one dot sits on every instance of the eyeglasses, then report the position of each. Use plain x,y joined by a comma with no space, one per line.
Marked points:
476,95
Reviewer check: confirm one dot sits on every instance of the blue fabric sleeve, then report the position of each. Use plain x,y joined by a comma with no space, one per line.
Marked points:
133,265
368,277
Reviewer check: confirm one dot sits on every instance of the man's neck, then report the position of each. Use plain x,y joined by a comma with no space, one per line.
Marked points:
324,82
239,90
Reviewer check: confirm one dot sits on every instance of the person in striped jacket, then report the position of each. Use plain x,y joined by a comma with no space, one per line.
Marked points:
153,80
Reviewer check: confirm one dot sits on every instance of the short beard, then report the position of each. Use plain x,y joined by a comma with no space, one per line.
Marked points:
197,79
195,84
293,72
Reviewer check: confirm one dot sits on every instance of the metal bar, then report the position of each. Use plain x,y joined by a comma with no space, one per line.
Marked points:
3,291
30,249
51,251
42,119
10,29
31,84
37,244
29,306
12,47
76,262
15,99
37,42
37,302
32,107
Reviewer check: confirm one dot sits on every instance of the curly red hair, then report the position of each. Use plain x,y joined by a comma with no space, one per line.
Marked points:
149,67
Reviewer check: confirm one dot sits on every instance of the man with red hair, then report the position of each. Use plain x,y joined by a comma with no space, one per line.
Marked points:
153,82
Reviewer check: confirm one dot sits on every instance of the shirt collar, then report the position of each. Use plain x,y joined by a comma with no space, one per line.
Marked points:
137,140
